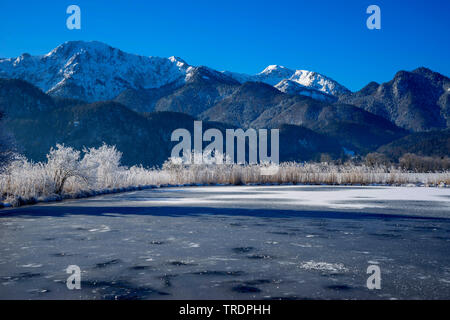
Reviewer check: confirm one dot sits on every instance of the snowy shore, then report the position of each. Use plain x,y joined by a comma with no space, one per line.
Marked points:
69,175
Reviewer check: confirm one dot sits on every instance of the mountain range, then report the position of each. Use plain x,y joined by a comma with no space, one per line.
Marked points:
86,93
417,100
93,71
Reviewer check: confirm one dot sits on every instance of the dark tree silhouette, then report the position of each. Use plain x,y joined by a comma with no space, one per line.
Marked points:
6,144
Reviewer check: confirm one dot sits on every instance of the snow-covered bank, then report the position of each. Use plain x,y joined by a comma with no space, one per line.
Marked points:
68,175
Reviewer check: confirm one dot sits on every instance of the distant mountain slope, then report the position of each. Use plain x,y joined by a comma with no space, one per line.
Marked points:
143,139
39,121
292,87
259,105
302,144
432,143
245,105
417,100
203,89
87,126
144,100
20,98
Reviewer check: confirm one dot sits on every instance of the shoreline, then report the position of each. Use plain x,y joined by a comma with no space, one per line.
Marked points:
92,193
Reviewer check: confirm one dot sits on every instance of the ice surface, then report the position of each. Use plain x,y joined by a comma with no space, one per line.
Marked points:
267,242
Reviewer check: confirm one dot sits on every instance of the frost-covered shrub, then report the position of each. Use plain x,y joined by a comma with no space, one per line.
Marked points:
25,180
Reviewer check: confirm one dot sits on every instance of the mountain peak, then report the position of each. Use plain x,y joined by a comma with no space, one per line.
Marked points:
84,44
205,74
422,70
430,74
370,88
418,73
319,82
72,47
275,74
414,100
178,60
275,68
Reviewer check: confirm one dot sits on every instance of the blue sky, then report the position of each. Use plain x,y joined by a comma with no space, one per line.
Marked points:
329,37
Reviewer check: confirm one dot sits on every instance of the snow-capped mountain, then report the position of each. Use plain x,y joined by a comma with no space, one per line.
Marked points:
291,81
272,75
292,87
92,71
317,81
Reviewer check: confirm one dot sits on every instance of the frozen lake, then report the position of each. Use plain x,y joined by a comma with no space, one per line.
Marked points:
239,242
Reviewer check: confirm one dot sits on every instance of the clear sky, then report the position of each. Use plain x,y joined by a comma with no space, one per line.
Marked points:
326,36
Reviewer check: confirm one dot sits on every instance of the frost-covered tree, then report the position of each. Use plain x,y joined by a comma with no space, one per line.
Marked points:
63,163
103,165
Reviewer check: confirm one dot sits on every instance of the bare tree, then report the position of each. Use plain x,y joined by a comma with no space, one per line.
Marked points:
416,163
375,159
